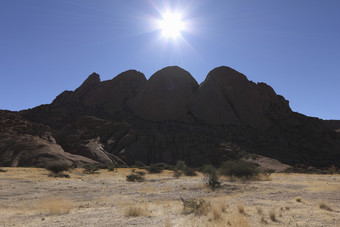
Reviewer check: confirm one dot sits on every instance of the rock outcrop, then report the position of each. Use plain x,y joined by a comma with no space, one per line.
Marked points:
166,118
165,96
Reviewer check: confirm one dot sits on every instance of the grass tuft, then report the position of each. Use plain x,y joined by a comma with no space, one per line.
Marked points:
134,211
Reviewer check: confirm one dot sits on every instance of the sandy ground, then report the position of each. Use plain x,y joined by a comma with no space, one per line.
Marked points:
28,197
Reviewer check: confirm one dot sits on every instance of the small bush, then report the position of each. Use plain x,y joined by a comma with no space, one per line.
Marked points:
158,167
133,211
239,169
189,172
111,167
135,176
211,176
324,206
57,170
272,215
198,207
3,170
181,165
90,169
139,164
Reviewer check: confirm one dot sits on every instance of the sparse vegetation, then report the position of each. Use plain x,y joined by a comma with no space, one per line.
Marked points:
239,169
157,168
134,211
299,200
135,176
139,164
324,206
90,169
111,167
198,207
211,176
2,170
189,172
57,170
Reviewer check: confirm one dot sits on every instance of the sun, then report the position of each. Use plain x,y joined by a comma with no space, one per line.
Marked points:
171,25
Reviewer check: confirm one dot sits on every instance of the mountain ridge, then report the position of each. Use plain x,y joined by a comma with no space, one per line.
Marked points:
171,117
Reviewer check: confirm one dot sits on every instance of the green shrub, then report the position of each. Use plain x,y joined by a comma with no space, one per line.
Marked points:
57,170
181,165
90,169
135,176
2,170
111,167
139,164
211,176
189,172
239,169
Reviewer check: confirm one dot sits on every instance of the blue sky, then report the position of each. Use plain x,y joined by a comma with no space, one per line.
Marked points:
49,46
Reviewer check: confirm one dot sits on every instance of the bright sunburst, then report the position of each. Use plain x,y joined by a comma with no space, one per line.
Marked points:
171,25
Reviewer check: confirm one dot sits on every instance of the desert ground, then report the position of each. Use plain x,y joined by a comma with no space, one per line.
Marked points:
28,197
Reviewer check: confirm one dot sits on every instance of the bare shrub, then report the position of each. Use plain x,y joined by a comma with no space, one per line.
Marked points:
324,206
198,207
211,176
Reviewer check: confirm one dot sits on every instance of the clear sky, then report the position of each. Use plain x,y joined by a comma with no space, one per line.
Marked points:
48,46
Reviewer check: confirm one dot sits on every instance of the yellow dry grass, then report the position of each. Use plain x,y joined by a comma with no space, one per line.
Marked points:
27,194
54,206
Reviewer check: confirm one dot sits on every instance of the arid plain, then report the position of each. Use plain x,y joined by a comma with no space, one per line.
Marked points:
28,197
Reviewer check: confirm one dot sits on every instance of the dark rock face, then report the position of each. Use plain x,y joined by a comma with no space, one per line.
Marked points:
165,96
227,97
164,119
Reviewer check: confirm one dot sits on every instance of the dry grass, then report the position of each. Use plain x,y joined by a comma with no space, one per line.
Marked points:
134,211
54,206
240,208
324,206
108,198
259,210
272,215
239,221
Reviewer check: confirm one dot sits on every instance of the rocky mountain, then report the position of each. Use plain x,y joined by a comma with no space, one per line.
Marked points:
164,119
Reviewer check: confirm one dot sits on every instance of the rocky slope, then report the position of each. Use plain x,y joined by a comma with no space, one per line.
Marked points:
166,118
